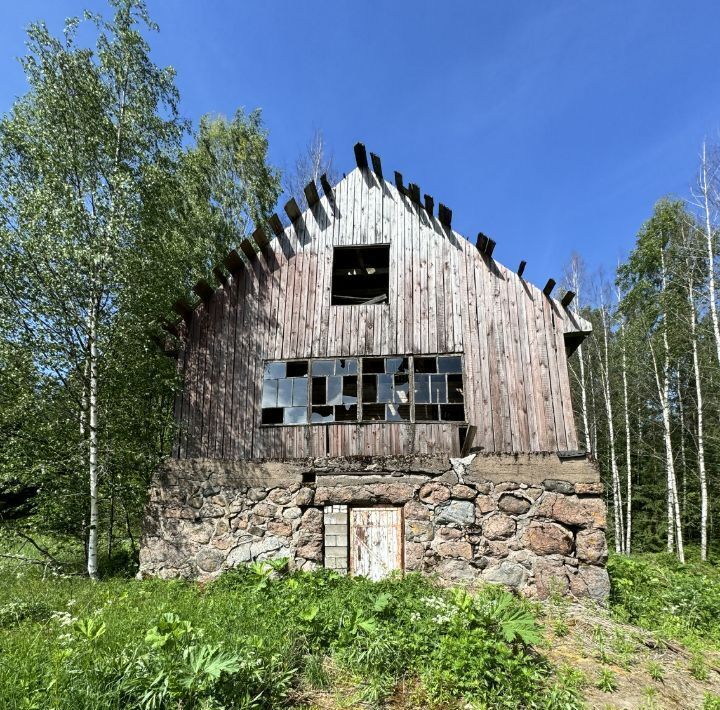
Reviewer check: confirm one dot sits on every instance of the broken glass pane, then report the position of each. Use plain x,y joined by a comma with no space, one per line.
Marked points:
349,395
346,413
274,370
398,412
297,368
402,389
369,388
450,363
269,397
322,368
300,392
295,415
284,393
455,388
334,390
396,364
438,389
322,414
385,388
422,389
346,367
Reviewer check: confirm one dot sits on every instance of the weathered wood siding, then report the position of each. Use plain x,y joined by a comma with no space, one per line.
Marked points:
445,297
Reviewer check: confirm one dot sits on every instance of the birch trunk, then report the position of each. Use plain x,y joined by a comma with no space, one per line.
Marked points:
705,190
675,536
628,451
93,443
683,459
700,424
617,496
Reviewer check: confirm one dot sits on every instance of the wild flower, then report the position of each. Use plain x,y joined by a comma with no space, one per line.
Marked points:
63,618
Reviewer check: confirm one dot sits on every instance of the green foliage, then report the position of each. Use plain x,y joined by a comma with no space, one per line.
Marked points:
248,640
607,681
655,670
711,701
657,593
105,219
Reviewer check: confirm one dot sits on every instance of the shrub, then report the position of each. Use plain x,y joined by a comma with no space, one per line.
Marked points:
250,638
657,593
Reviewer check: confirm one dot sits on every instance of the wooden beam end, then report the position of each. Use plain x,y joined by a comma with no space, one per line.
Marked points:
549,286
361,155
377,165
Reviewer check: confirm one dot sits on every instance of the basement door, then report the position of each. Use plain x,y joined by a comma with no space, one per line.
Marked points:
375,541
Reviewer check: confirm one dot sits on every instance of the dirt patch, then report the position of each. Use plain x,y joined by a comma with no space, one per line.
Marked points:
621,666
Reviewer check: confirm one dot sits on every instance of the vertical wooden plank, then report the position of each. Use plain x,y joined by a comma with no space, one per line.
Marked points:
554,376
564,380
432,258
519,402
526,362
486,423
201,316
550,443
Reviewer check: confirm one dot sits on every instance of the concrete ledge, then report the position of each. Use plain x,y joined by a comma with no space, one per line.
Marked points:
532,469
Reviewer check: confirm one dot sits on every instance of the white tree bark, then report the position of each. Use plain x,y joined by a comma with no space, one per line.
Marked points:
705,202
700,426
674,532
93,443
617,494
628,448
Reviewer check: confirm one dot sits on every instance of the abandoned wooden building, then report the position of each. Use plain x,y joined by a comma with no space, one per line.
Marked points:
368,390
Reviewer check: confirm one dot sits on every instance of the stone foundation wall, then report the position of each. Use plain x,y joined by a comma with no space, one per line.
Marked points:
533,522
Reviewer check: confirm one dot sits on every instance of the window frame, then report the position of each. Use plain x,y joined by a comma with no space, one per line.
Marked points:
359,374
358,247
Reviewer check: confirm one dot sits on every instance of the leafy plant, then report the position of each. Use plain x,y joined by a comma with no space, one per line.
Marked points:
607,681
656,671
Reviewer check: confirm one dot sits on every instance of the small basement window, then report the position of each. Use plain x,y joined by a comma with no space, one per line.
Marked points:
360,275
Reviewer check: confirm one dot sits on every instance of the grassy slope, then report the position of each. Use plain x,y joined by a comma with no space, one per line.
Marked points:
325,641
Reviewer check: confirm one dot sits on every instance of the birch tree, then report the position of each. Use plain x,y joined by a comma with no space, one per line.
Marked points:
607,396
650,298
706,197
313,162
72,157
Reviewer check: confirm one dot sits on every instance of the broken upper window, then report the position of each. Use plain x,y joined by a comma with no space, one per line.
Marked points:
360,275
285,392
389,389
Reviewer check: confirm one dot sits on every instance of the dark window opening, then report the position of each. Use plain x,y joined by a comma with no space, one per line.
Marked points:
272,415
360,275
346,413
297,368
426,413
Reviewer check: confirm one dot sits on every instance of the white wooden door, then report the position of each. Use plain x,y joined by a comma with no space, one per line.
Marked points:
375,541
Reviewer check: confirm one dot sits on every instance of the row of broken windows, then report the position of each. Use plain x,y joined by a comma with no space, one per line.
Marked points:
395,389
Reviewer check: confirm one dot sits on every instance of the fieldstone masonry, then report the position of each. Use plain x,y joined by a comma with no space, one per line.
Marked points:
533,522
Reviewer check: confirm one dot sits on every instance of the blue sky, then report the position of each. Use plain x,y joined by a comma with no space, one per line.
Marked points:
550,126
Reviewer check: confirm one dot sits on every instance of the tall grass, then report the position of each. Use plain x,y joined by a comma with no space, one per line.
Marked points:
256,638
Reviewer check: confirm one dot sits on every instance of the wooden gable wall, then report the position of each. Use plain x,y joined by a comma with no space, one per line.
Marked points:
444,297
